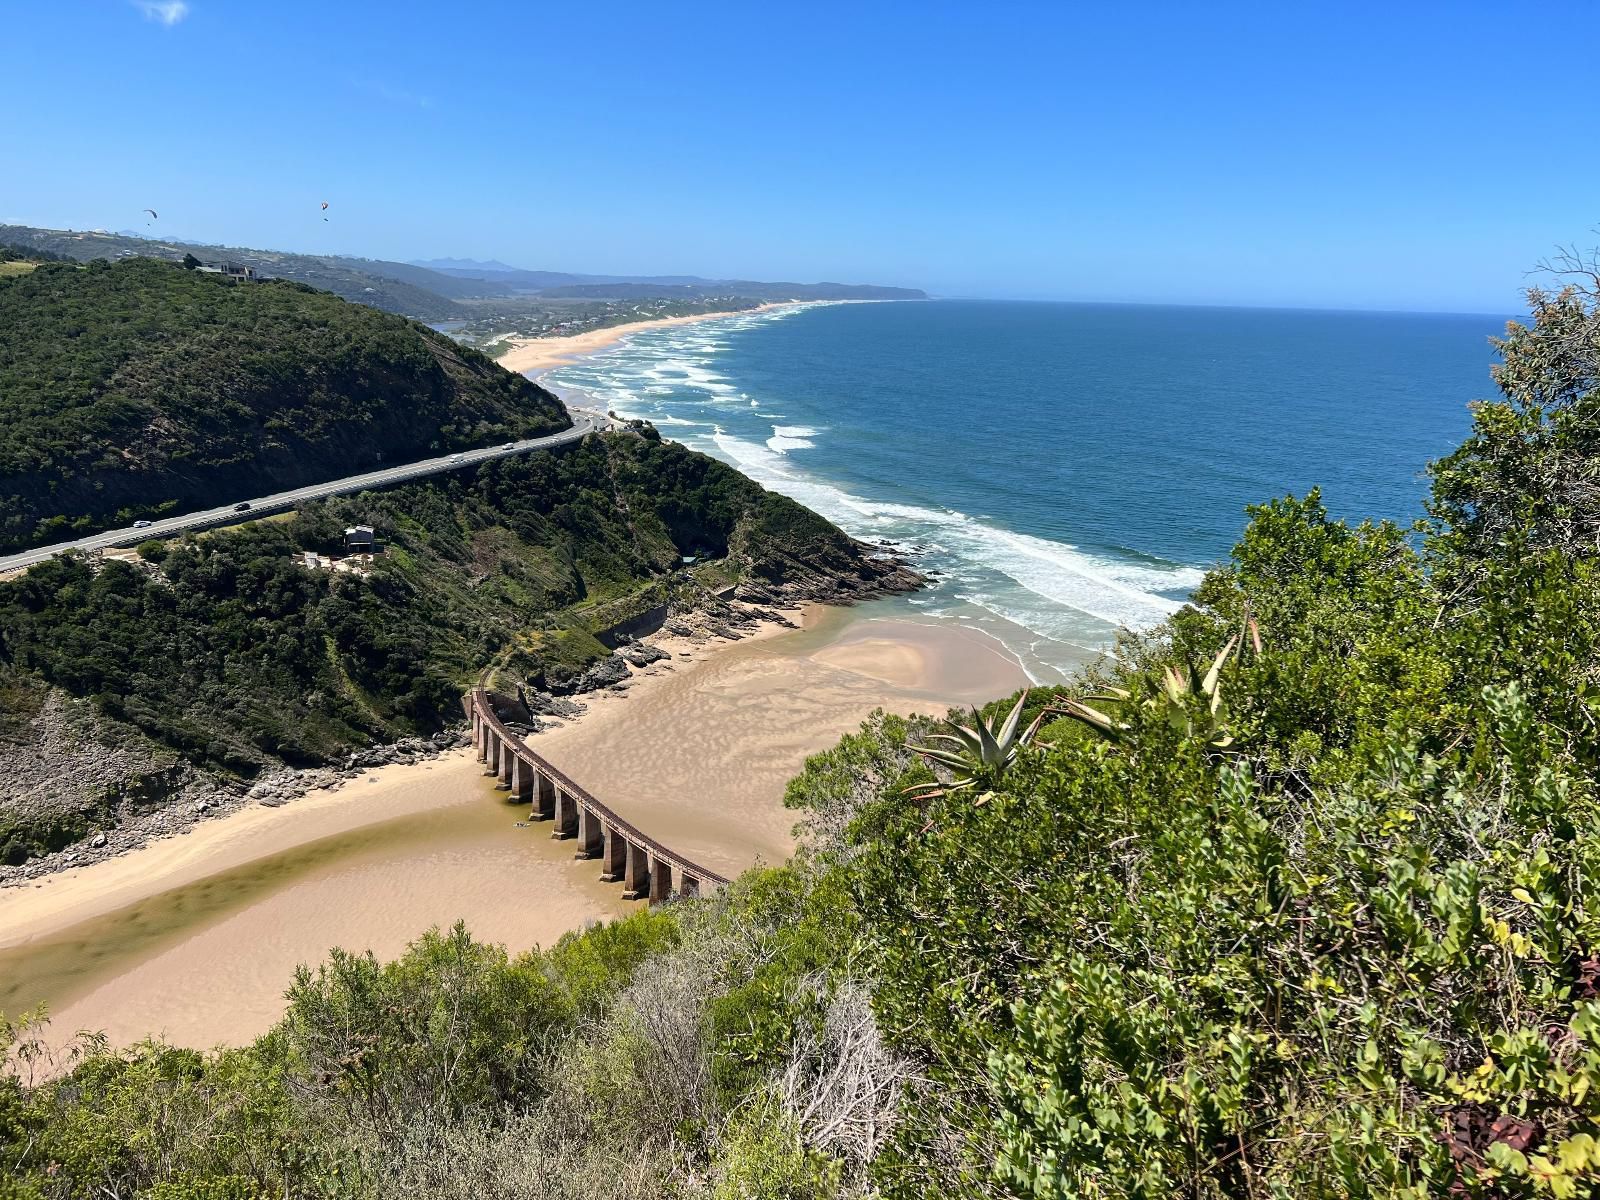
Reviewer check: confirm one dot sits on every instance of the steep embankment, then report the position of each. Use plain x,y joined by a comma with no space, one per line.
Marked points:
225,655
139,388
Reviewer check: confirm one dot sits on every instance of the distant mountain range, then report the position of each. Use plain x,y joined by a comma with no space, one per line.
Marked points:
433,289
562,285
392,286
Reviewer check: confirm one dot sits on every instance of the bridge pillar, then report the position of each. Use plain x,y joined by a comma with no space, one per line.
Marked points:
544,795
613,856
521,779
492,758
591,833
480,735
660,880
566,814
636,877
508,755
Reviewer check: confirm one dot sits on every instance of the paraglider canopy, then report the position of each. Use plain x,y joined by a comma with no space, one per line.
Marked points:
154,216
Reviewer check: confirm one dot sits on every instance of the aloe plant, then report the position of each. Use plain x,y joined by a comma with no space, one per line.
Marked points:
1191,703
977,754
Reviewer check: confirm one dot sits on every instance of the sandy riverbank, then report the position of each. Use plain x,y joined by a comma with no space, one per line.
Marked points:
544,353
198,936
699,755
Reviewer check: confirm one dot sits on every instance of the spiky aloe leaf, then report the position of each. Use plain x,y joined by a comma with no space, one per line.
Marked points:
991,755
1095,719
1032,731
948,758
970,739
1008,730
1211,686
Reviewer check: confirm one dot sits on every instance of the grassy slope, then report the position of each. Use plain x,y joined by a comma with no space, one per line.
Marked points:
139,387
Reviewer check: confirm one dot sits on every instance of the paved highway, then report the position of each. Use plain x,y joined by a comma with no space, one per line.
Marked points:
583,422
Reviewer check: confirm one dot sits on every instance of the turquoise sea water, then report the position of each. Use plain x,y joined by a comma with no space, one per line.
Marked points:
1063,468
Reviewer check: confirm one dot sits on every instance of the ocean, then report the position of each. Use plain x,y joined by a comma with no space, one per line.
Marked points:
1062,470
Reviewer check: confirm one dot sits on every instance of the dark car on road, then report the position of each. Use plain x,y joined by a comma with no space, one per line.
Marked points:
242,506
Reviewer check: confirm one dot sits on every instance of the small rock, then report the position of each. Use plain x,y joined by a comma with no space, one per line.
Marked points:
98,840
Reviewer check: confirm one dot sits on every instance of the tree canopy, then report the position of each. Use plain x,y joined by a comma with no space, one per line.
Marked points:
138,388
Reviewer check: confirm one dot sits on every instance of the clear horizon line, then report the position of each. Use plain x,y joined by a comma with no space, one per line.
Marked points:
1307,308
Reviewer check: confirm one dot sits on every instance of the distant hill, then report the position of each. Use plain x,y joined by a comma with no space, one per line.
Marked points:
441,289
467,266
558,285
392,286
731,287
135,388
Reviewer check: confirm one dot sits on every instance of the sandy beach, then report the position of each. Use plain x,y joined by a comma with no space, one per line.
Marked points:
699,755
544,353
197,937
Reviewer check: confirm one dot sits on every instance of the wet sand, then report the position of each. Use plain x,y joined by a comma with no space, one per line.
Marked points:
543,353
699,757
198,936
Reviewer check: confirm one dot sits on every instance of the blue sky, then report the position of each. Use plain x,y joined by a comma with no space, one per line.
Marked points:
1413,155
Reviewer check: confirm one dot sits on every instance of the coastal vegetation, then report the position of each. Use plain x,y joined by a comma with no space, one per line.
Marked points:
391,286
226,652
138,389
1294,897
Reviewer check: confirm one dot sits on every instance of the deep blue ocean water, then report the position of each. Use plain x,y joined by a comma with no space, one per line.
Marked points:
1064,468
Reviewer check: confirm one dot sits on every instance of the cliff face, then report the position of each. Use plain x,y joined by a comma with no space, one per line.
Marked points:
140,388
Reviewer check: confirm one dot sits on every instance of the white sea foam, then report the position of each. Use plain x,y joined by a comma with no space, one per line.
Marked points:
785,444
791,437
1046,596
1115,592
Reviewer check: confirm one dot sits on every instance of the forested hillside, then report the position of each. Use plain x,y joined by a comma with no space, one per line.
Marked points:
140,388
224,652
1298,898
394,287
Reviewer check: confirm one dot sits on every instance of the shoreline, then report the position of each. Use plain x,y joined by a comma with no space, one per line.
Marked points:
535,356
197,935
